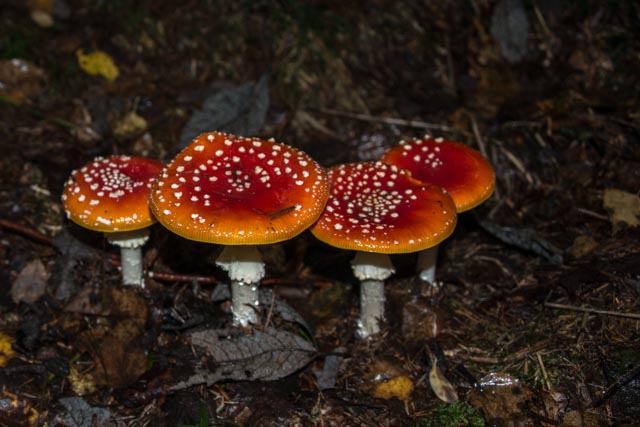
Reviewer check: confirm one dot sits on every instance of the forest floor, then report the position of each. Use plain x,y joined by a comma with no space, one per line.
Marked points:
536,321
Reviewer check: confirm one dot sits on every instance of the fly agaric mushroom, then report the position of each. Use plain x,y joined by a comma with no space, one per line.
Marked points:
112,195
378,209
465,173
240,192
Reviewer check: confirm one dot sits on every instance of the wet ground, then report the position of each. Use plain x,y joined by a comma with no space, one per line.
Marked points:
536,319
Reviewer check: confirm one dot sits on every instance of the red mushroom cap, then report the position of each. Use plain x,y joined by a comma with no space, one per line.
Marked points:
465,173
377,207
111,194
232,190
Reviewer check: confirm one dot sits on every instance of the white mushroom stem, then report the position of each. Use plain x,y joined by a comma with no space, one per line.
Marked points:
245,268
372,269
426,264
131,263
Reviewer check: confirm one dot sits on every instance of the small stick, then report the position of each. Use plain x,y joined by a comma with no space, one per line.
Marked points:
386,120
592,310
544,371
29,232
593,214
170,277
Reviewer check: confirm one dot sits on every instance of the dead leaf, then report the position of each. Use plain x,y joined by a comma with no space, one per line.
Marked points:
78,413
241,111
130,125
98,63
510,27
114,345
399,387
264,356
30,284
499,398
20,80
624,208
441,385
6,349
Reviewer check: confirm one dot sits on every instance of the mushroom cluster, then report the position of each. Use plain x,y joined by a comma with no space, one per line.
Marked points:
243,192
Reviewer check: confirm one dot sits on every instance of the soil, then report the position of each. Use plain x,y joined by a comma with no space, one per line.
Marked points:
533,319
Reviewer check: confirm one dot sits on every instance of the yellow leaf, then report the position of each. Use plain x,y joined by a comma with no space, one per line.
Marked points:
98,63
6,352
398,387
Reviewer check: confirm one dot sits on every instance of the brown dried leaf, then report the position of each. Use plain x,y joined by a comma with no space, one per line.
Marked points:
500,396
20,80
441,385
30,284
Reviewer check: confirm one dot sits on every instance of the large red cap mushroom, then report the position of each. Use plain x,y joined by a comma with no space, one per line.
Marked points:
465,173
112,195
378,209
233,190
240,192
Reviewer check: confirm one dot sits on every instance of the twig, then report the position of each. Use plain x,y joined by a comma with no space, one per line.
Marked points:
387,120
544,371
592,310
29,232
477,136
592,214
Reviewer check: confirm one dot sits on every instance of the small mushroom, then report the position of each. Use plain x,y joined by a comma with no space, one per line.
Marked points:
378,209
240,192
112,195
465,173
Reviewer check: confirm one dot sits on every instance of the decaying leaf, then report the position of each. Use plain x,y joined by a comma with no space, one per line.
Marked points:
264,355
20,80
240,111
624,208
78,413
441,385
114,344
30,284
131,124
500,397
510,27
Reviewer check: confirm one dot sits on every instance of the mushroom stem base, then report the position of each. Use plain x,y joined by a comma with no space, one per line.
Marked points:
426,265
371,307
131,262
244,303
245,267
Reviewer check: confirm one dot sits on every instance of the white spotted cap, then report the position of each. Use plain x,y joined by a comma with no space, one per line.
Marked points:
377,207
111,194
233,190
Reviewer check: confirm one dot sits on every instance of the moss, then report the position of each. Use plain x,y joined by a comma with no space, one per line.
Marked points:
458,414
